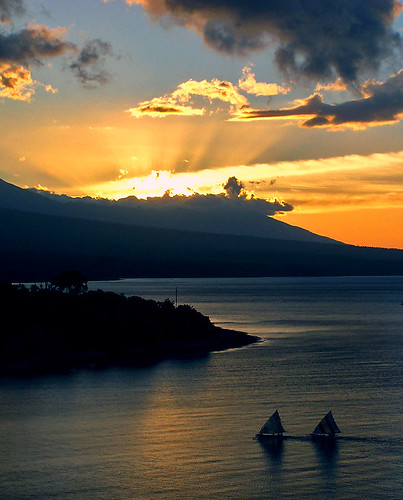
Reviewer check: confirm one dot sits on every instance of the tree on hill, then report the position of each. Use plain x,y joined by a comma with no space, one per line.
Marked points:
71,282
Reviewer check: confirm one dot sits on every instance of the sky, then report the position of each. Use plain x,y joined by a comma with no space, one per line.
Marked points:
299,103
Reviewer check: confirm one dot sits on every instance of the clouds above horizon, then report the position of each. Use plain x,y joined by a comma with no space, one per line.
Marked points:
325,184
337,45
212,203
89,65
34,43
31,45
382,103
22,49
179,102
16,82
317,40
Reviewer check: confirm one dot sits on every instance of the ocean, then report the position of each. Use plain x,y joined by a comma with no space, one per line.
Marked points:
185,429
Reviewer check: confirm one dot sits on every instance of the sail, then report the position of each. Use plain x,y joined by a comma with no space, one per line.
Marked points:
327,426
273,425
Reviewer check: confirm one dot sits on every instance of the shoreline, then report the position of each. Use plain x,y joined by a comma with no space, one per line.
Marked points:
93,360
51,331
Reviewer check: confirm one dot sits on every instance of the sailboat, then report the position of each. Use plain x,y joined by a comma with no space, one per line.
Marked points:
273,428
326,429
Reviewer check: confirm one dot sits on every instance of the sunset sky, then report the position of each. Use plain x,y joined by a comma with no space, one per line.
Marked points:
301,102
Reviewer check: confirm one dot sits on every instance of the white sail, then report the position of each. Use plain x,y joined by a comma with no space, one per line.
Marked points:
273,425
327,426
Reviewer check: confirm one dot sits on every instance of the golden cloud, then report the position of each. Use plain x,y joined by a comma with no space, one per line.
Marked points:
248,84
179,102
336,86
16,82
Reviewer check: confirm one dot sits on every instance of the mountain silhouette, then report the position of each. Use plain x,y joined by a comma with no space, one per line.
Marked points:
35,247
211,214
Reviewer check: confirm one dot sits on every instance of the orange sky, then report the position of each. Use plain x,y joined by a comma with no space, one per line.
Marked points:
144,110
352,226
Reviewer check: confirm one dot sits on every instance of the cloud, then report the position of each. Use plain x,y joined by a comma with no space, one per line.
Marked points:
290,180
382,103
214,213
50,89
32,44
335,86
311,106
249,85
159,108
21,49
234,188
179,102
16,82
9,8
214,89
213,204
320,40
89,65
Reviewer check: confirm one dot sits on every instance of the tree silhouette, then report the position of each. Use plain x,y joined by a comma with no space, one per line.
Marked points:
72,282
60,328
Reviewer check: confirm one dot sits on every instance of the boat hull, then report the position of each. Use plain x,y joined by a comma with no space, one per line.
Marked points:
270,437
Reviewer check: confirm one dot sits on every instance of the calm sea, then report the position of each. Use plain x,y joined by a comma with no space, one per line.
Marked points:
185,429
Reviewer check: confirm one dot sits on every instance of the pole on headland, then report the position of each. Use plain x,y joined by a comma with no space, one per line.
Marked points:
176,297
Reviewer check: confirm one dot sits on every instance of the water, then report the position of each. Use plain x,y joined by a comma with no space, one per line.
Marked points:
184,429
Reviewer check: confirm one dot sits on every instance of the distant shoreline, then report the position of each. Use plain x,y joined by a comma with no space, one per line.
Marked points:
50,331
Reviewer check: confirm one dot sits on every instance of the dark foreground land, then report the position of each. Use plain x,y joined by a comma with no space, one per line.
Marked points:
35,247
48,330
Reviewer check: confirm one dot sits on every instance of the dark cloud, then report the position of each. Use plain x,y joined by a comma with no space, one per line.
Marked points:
311,106
234,188
208,207
10,8
159,110
231,213
214,204
319,39
382,103
32,44
222,36
89,65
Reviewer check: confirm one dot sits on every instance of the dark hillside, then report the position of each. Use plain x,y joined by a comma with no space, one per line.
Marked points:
35,247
